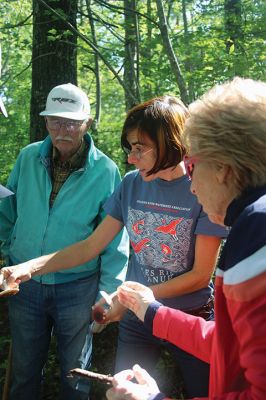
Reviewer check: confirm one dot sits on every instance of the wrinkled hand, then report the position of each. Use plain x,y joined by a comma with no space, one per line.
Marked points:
12,276
136,297
111,313
124,389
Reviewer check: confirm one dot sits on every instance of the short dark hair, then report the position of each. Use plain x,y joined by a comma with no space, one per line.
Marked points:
162,119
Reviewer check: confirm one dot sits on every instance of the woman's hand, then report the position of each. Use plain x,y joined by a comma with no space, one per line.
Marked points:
136,297
103,312
124,389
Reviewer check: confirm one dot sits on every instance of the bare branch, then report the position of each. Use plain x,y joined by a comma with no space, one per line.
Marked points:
27,67
123,9
21,23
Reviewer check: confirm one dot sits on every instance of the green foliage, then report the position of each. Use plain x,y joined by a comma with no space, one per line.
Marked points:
202,52
15,81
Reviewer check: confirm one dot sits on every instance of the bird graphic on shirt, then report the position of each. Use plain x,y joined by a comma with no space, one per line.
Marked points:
137,225
169,229
167,251
137,247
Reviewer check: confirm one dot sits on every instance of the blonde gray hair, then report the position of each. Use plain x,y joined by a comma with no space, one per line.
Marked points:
228,126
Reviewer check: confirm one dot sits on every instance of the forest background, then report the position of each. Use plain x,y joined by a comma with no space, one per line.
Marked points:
121,52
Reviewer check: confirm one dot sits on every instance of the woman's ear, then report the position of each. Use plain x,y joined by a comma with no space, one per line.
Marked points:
223,173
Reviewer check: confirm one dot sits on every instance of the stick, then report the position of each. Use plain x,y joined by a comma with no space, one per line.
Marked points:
90,374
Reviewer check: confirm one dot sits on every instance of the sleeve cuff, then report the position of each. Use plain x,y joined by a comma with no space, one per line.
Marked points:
150,314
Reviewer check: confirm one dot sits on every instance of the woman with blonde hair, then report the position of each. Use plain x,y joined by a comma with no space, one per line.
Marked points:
226,137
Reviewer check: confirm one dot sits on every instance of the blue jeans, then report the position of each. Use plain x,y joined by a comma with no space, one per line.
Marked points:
35,313
137,345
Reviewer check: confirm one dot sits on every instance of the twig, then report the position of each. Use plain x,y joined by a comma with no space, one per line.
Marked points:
90,374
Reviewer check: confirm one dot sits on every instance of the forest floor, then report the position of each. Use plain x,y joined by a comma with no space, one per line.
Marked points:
104,348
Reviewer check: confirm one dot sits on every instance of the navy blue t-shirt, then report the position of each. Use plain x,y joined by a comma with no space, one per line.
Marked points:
162,219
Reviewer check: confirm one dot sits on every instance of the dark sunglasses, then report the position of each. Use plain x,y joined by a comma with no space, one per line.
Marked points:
189,163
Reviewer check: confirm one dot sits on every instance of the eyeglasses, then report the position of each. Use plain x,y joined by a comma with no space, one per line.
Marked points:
70,125
189,163
136,153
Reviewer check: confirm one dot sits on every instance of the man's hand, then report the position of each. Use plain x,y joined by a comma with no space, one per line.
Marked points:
124,389
136,297
12,276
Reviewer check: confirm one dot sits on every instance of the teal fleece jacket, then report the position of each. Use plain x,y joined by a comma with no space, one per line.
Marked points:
29,228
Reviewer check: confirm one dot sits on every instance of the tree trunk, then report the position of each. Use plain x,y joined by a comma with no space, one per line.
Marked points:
234,35
147,87
54,55
131,53
187,63
97,117
233,23
170,53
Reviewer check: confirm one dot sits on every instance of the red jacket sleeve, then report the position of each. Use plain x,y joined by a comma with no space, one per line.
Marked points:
249,324
190,333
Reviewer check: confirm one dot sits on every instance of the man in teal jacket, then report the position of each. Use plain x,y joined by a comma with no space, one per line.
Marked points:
60,187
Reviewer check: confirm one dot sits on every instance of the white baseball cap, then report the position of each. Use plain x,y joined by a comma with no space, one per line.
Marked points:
4,192
67,101
2,108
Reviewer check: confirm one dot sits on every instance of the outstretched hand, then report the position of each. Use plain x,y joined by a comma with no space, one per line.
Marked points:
124,389
136,297
12,276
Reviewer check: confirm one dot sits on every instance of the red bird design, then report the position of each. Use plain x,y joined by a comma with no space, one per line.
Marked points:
166,249
137,247
169,229
135,227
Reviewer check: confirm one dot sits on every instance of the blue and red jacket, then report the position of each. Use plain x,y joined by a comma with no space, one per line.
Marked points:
235,344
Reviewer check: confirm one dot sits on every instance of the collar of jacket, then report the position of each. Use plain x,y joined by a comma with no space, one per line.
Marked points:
236,207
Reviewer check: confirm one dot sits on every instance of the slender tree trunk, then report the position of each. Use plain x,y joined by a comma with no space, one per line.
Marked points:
233,23
53,56
147,87
170,53
96,70
234,35
187,63
131,53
